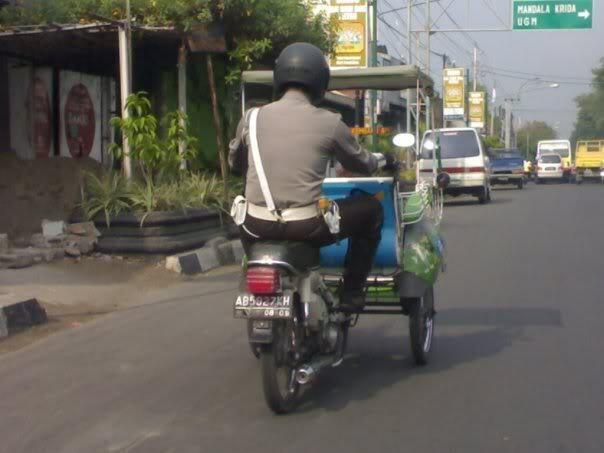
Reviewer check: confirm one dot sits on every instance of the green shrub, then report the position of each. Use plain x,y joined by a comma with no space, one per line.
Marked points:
155,156
108,194
111,194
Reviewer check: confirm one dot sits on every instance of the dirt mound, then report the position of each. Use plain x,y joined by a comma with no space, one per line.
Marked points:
32,190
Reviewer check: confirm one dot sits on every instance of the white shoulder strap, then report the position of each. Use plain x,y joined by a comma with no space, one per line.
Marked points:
266,193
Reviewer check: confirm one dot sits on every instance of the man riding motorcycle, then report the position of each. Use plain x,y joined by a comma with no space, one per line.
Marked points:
296,141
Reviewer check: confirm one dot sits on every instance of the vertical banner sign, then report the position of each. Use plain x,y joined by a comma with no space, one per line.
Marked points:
30,103
351,18
39,118
552,14
454,87
476,108
81,115
80,121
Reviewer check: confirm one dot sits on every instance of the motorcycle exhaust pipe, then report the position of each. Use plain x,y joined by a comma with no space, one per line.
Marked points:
307,373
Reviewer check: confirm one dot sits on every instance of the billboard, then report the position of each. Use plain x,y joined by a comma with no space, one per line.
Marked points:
476,109
351,18
80,115
30,104
454,80
351,48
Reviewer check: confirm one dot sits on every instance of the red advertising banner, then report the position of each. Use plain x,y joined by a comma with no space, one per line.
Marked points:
80,123
39,119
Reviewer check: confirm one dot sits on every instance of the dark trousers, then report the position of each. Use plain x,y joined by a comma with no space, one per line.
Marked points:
361,221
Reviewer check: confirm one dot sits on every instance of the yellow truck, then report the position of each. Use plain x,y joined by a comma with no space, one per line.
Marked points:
589,160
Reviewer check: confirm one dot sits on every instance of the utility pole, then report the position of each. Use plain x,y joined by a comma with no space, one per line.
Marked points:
429,26
508,122
475,68
125,58
409,57
492,128
372,107
182,97
418,98
408,95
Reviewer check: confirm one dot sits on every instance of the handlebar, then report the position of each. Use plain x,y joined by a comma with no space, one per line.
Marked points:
381,159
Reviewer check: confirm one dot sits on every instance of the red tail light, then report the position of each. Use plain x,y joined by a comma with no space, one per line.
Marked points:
263,280
451,170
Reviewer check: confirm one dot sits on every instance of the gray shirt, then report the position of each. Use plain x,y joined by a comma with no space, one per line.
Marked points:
296,142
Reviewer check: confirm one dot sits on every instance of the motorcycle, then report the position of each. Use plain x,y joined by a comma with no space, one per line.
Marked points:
288,298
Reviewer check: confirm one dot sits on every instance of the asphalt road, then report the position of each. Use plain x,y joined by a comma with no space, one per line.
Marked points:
517,365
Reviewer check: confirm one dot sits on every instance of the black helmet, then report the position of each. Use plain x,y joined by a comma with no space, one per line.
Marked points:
302,64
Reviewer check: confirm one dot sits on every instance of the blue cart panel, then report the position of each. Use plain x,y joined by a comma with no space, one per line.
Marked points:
332,257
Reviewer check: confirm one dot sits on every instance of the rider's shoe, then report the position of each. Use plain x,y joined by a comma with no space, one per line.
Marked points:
352,301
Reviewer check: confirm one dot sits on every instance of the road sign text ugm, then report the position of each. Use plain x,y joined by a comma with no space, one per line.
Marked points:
552,14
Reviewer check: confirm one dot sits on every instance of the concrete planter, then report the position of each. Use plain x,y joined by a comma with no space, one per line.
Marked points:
163,232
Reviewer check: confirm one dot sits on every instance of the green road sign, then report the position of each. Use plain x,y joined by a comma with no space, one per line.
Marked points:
551,14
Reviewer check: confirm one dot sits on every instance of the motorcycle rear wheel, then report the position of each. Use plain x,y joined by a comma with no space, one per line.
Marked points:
278,375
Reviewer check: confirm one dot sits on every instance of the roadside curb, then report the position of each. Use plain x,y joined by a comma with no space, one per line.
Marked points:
217,252
15,316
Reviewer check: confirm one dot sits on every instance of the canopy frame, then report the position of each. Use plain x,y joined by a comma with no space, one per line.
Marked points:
380,78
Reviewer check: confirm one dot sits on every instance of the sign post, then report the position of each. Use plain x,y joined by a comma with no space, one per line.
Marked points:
454,80
476,109
552,14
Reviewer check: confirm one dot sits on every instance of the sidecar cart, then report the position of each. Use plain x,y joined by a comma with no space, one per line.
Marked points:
409,257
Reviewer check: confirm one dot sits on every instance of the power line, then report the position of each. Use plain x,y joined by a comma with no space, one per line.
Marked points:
586,79
494,11
393,30
463,33
444,35
509,76
444,9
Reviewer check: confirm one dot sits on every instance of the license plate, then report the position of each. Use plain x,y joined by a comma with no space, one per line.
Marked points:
504,179
550,169
454,182
250,306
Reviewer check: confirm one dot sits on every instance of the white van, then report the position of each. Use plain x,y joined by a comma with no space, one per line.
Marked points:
549,167
463,158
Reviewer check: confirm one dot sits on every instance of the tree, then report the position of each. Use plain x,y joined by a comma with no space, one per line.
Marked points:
531,133
256,31
590,118
491,141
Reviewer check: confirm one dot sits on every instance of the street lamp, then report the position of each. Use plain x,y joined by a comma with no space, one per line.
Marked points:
508,105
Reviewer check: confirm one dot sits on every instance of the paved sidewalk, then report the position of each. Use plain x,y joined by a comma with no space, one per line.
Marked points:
74,293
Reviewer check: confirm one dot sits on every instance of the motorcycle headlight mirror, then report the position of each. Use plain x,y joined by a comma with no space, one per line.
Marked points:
403,140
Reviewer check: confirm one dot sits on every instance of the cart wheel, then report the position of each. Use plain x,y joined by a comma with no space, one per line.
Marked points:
421,326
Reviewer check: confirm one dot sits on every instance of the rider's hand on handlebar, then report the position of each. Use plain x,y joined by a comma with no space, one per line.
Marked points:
391,162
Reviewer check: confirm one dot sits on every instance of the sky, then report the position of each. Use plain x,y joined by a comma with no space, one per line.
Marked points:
506,59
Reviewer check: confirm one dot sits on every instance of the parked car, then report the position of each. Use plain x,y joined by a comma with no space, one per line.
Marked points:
563,149
549,168
507,167
463,158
